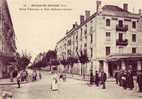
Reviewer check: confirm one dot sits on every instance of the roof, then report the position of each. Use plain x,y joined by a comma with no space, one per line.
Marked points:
113,8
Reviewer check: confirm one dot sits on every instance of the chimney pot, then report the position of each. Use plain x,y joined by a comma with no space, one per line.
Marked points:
81,19
87,14
140,11
125,6
98,5
73,25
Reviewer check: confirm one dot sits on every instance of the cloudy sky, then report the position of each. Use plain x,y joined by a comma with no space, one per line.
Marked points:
38,31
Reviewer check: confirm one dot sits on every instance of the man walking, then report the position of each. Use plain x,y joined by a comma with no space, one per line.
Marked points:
103,79
139,80
97,79
18,79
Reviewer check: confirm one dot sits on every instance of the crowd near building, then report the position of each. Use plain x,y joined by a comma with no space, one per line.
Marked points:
111,38
7,40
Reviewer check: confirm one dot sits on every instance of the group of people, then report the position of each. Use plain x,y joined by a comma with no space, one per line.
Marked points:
99,78
125,79
25,76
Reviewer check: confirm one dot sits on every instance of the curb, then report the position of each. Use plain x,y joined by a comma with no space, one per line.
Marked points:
88,80
13,83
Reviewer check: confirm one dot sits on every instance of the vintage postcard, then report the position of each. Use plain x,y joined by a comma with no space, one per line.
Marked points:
70,49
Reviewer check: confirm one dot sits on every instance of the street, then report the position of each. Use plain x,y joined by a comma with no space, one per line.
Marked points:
72,89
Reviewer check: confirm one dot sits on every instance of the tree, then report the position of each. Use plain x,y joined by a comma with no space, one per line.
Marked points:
50,58
71,60
83,58
23,61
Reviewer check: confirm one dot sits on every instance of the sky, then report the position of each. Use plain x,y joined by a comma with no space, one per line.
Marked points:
38,31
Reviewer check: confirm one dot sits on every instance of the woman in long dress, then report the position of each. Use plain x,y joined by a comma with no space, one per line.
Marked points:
54,83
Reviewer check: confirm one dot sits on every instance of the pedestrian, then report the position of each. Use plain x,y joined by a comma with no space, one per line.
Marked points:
91,77
54,83
130,81
39,74
116,77
139,80
64,76
97,79
124,80
103,79
19,79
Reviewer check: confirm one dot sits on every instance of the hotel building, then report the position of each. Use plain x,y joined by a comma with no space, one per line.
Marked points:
111,37
7,40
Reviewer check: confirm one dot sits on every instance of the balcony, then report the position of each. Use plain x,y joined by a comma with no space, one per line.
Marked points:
120,42
123,28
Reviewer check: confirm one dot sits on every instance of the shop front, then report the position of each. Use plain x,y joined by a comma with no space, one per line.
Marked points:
118,62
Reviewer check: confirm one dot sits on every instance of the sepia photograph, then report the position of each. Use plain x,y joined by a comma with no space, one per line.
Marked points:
70,49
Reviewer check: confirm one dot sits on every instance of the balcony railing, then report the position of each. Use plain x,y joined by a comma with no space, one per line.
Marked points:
123,28
121,42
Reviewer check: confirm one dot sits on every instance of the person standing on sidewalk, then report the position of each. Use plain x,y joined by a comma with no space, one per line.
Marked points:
139,80
124,80
91,77
19,79
39,74
103,79
130,80
97,79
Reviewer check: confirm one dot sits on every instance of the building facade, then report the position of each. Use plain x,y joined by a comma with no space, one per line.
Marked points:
7,40
111,37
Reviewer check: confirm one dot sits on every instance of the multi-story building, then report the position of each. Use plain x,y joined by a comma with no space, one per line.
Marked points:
111,37
7,39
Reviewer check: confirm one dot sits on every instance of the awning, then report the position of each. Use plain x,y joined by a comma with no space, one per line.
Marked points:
117,57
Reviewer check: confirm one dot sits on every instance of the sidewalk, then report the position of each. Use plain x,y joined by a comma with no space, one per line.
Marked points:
87,78
8,82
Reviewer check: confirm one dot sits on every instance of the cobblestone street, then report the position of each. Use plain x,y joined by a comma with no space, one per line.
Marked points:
71,89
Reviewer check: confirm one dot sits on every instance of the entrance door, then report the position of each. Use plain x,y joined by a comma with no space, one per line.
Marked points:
112,67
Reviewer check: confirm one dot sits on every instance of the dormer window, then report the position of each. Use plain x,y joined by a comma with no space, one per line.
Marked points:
107,22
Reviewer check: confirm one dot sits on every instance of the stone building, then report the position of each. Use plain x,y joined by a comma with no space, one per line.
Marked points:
7,40
111,37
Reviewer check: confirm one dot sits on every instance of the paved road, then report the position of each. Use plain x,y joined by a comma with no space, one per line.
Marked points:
72,89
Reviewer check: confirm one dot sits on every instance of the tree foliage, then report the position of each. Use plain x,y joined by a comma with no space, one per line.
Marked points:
23,61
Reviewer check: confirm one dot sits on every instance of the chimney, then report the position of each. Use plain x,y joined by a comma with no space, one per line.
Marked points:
140,12
125,6
87,14
67,31
81,19
73,26
98,5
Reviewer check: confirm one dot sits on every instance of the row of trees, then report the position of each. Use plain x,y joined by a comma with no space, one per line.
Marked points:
50,59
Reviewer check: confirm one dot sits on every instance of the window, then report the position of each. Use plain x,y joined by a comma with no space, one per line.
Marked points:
107,34
133,37
85,45
120,23
120,36
91,52
76,37
91,37
134,24
107,22
134,50
107,50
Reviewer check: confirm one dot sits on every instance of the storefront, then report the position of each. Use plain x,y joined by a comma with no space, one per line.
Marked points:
124,62
6,62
